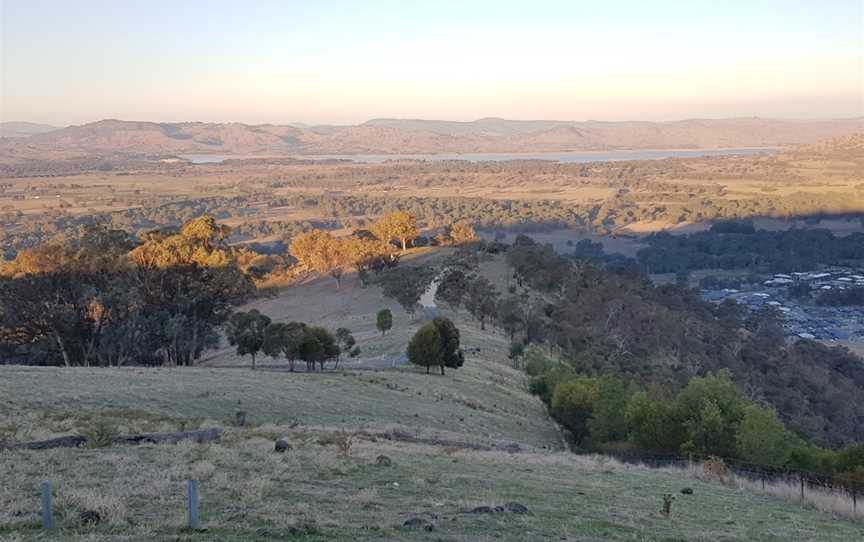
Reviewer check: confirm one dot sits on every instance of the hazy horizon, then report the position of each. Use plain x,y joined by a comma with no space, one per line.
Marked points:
343,63
443,120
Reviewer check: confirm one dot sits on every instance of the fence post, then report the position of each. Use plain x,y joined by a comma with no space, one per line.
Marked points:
854,499
801,477
47,513
193,504
763,481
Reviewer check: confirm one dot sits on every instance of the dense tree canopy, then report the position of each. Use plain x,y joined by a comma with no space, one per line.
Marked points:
606,321
98,300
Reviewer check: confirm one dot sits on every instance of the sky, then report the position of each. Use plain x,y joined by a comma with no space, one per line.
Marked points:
344,62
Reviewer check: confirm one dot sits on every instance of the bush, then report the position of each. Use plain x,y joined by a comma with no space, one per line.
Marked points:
573,403
100,434
536,362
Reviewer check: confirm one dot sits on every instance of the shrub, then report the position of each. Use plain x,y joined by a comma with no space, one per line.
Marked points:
573,403
100,433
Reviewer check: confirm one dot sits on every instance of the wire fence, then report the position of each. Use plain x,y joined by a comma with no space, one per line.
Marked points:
807,482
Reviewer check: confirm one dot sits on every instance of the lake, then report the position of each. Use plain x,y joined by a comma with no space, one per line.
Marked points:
562,157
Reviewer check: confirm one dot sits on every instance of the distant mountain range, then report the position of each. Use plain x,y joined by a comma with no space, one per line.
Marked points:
24,129
395,136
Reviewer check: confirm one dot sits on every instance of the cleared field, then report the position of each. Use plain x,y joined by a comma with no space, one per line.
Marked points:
479,402
316,492
329,486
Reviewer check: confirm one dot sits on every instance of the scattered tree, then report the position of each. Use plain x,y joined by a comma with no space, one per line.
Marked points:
399,226
345,341
281,339
451,354
425,347
245,330
384,321
463,232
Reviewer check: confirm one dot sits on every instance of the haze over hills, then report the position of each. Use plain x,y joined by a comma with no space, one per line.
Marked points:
24,129
394,136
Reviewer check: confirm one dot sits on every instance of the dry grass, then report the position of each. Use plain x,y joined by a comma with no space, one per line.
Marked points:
314,492
330,485
836,503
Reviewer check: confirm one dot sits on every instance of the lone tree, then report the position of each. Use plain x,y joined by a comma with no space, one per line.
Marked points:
245,330
384,321
436,344
425,347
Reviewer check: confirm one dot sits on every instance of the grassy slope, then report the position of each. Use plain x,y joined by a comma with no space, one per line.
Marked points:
316,492
313,493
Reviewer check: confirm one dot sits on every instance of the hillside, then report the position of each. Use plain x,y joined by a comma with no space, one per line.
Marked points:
24,129
390,136
459,446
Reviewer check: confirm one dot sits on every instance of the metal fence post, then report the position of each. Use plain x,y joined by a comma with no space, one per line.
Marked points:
47,513
193,504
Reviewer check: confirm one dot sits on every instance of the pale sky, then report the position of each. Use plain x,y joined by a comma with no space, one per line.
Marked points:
344,62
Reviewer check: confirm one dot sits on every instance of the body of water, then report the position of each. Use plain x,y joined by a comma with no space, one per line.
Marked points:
562,157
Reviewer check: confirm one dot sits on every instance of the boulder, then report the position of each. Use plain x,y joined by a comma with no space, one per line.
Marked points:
282,445
516,508
383,461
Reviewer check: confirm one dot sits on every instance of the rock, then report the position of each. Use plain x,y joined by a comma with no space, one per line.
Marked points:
481,510
240,418
687,491
420,521
282,446
417,523
516,508
383,461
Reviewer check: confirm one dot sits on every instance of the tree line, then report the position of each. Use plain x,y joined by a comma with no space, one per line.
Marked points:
708,417
253,332
741,246
109,299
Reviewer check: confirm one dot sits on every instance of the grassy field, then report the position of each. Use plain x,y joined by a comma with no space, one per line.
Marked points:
319,491
329,486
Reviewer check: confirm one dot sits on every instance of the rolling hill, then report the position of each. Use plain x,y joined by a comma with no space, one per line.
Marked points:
388,454
24,129
394,136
